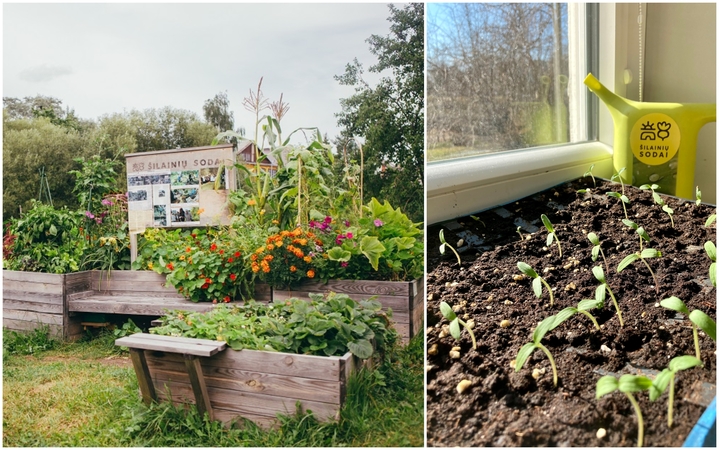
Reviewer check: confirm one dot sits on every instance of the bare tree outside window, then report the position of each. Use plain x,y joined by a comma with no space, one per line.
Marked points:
497,77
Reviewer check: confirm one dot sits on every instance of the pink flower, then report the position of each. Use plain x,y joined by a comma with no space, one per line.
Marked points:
347,223
378,223
344,264
350,235
312,224
106,202
89,215
328,220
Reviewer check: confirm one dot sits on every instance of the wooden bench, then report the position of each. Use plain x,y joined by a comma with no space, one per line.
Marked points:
192,349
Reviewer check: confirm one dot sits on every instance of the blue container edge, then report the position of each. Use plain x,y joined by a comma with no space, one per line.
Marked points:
704,432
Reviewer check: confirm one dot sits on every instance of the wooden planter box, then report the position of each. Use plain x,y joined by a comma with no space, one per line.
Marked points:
258,385
405,298
33,299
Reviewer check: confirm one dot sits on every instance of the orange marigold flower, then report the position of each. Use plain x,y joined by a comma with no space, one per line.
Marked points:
299,253
275,222
268,258
303,241
251,202
297,232
182,257
284,233
266,269
270,247
310,273
254,257
255,268
188,249
318,242
260,250
308,259
293,269
279,243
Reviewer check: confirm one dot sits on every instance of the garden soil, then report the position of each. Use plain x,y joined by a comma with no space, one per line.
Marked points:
507,408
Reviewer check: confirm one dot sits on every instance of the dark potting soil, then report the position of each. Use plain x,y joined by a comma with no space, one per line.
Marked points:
507,408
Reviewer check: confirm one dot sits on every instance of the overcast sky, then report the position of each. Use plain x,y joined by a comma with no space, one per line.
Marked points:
107,58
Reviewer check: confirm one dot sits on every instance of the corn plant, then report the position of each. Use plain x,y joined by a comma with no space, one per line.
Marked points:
444,244
552,234
455,322
536,282
666,377
601,292
698,319
626,384
711,250
543,328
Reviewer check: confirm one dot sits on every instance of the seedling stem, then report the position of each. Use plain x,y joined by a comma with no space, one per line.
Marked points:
445,244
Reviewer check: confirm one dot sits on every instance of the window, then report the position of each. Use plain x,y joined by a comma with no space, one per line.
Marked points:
498,78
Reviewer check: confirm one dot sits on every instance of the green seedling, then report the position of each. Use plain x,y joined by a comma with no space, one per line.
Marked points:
711,250
657,199
696,317
552,234
601,293
710,220
536,282
519,232
623,198
643,255
543,328
626,384
444,244
582,307
597,249
589,172
455,323
699,197
670,213
478,220
667,376
630,224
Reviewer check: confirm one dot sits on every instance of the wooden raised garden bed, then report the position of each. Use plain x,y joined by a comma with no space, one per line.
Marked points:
405,298
258,385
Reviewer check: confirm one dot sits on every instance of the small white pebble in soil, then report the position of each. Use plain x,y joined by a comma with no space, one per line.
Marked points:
518,277
495,271
463,386
644,314
454,354
544,249
489,306
567,266
656,305
453,284
465,316
570,287
457,308
505,323
430,297
584,231
513,363
508,302
470,324
428,368
446,284
460,243
601,433
536,374
556,194
605,349
669,344
661,327
433,350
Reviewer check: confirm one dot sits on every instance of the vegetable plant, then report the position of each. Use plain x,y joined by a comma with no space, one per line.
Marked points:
552,234
536,282
600,293
582,307
543,328
597,249
698,319
642,255
670,213
626,384
589,172
445,244
455,322
711,250
710,220
657,199
667,376
623,198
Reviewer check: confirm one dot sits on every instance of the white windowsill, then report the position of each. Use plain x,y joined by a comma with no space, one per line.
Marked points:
465,186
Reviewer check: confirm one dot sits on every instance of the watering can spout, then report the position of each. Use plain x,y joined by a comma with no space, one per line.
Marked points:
615,103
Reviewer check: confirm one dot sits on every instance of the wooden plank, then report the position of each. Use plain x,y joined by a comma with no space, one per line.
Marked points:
417,320
243,403
134,305
32,316
25,326
182,346
167,368
349,287
78,282
147,387
263,292
9,304
33,287
217,345
398,304
22,296
197,380
35,277
229,417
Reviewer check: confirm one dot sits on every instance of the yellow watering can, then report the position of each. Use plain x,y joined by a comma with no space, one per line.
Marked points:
656,142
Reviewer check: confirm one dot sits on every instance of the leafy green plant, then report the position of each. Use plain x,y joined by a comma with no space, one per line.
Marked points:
29,343
540,331
698,319
552,234
519,232
626,384
325,325
670,213
710,220
643,255
96,178
657,199
666,377
444,245
597,249
711,250
537,281
601,291
624,200
699,196
589,172
582,307
455,322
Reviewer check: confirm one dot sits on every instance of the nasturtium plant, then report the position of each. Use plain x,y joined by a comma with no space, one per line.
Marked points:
455,322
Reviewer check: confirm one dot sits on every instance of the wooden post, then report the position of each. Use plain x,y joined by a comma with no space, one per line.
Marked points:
202,398
133,247
143,375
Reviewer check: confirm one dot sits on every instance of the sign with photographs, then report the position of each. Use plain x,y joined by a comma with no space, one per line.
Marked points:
179,188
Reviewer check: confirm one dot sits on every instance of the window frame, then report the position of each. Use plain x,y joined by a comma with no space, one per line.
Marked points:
458,187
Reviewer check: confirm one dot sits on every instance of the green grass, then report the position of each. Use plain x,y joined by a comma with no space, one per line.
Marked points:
86,394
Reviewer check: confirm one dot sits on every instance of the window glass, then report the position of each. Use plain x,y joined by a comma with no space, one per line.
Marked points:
497,77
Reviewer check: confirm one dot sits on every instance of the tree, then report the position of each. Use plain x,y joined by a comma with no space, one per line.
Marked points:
390,115
217,112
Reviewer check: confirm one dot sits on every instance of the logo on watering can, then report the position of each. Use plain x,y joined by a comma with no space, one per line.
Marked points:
655,139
